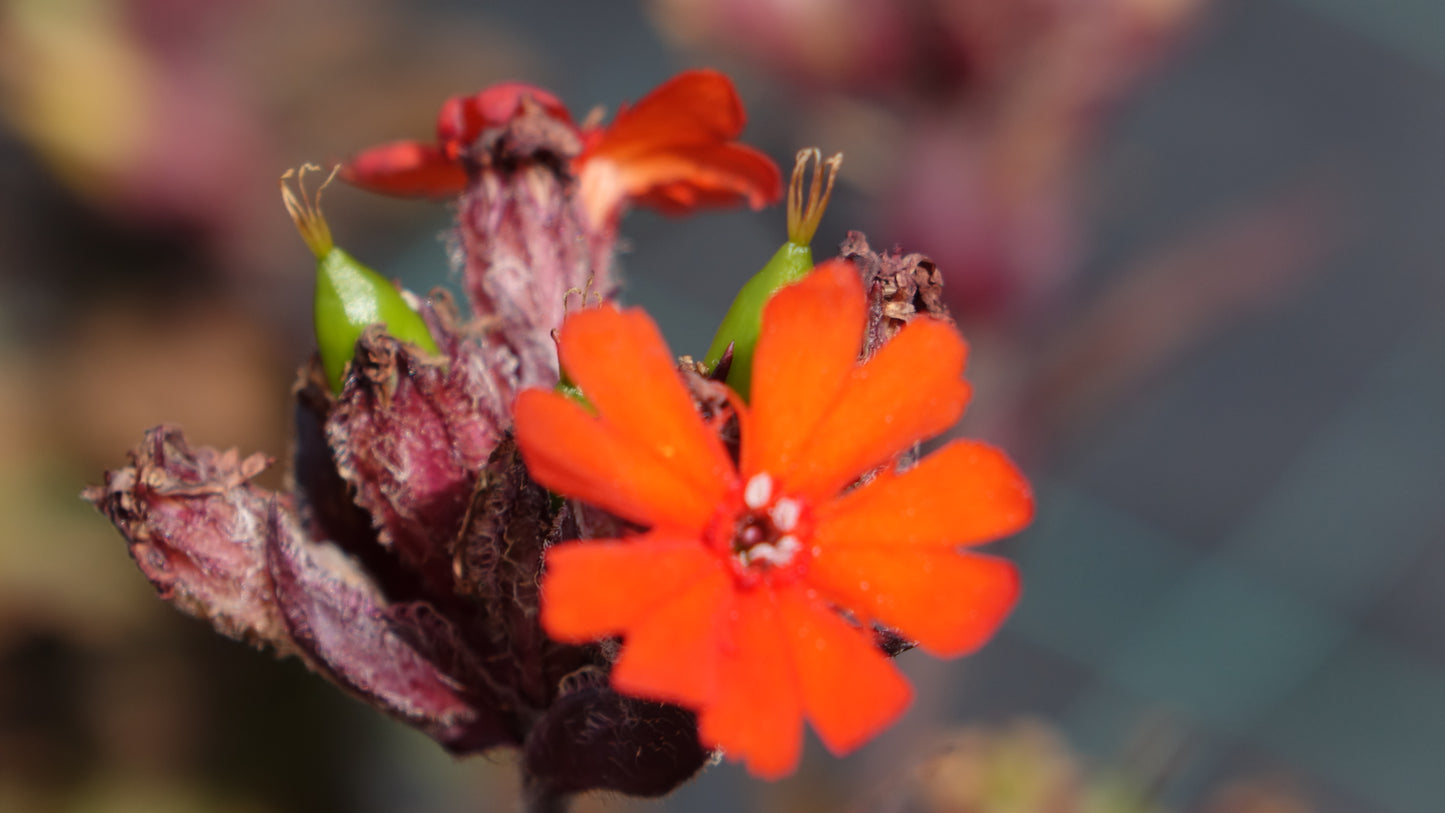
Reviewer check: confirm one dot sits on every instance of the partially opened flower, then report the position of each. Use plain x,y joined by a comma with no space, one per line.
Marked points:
539,199
751,595
676,150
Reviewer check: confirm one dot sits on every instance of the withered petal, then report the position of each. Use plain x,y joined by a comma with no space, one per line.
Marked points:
338,620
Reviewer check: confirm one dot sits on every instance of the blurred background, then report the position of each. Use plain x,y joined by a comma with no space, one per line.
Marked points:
1196,246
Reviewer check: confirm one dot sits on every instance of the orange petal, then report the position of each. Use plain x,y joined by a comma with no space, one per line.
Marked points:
910,390
850,690
950,603
406,169
966,493
694,107
574,453
675,150
757,715
811,334
597,588
671,652
682,178
620,361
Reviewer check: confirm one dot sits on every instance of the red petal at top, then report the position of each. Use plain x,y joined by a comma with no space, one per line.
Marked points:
696,107
966,493
621,363
406,169
811,334
909,391
675,149
463,118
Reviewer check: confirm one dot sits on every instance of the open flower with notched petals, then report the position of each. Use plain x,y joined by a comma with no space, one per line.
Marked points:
749,596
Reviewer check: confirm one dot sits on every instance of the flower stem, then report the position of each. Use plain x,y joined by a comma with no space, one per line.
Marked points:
540,797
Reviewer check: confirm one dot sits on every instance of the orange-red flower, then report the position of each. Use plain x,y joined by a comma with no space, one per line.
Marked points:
675,150
729,602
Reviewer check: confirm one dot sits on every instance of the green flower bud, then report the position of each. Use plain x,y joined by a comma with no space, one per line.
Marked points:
349,296
743,321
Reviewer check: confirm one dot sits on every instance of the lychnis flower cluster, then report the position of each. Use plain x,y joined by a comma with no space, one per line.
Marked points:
486,499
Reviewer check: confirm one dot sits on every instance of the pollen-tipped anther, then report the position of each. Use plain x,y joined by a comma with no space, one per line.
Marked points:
759,491
785,514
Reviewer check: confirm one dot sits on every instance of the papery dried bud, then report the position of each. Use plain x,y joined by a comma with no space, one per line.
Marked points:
196,527
224,550
408,435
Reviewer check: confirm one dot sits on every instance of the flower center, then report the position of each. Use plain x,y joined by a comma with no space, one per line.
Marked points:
765,533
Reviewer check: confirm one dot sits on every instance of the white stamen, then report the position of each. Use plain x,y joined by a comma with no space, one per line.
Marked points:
765,553
776,554
758,491
788,546
785,514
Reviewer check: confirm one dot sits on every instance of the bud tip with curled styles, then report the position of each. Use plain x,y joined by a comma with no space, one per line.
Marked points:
349,296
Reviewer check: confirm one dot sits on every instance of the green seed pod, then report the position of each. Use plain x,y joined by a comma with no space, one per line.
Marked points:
349,296
743,321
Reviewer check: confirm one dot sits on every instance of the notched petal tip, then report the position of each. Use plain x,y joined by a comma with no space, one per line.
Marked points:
966,493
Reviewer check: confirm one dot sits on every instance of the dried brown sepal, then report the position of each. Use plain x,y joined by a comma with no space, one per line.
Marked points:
900,287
